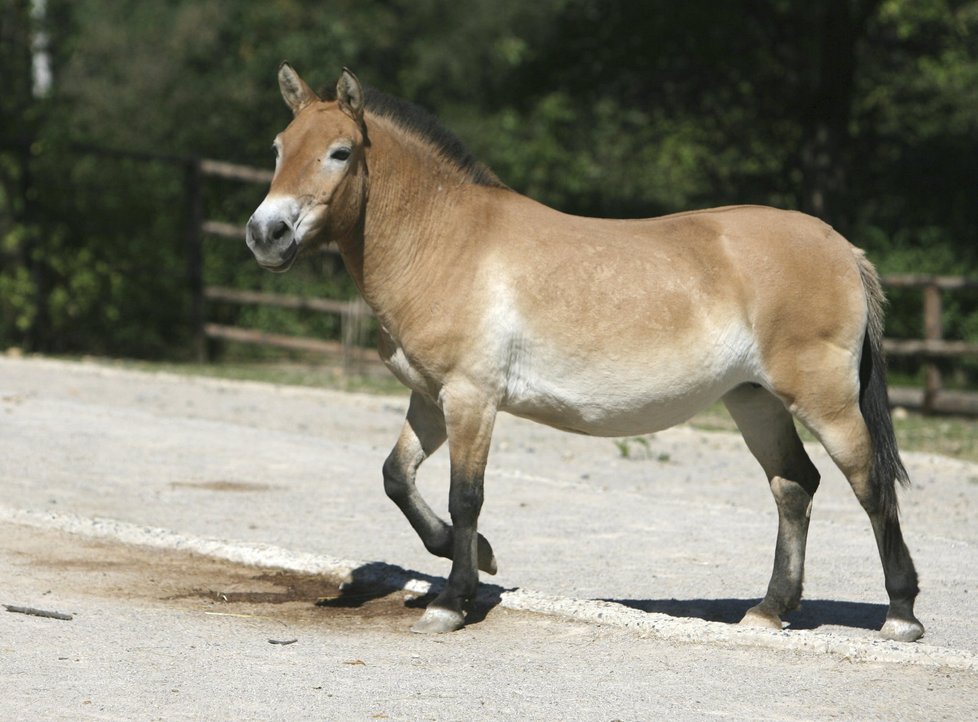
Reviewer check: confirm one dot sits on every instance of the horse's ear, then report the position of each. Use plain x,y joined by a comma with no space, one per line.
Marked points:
296,93
349,94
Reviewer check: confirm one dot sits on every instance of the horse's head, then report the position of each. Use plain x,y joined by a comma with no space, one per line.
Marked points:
319,186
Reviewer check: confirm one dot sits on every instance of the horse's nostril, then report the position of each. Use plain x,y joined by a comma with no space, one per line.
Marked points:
281,228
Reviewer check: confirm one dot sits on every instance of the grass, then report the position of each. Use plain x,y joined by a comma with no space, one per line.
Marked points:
956,437
373,379
953,436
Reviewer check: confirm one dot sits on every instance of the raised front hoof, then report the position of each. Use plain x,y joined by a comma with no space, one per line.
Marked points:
444,547
902,630
759,618
487,560
436,620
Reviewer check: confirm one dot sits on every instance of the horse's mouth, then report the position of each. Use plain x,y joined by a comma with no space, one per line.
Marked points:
288,258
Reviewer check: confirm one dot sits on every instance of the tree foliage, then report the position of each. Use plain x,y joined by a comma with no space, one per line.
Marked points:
861,111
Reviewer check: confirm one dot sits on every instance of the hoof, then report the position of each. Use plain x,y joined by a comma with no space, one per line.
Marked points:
902,630
761,619
438,621
487,560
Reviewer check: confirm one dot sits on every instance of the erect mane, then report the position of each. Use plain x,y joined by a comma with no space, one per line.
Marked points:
418,122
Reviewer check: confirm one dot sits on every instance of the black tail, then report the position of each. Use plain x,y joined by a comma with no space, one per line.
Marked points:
874,404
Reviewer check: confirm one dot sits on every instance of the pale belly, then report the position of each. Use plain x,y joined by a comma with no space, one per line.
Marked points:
624,394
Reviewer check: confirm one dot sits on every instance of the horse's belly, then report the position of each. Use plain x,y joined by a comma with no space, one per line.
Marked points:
637,393
612,418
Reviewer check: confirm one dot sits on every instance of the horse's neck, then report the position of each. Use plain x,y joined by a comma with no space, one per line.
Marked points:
406,242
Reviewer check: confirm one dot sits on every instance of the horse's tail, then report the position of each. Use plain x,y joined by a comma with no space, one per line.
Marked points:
873,399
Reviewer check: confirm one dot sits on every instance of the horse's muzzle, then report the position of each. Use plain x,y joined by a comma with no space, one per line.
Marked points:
272,241
288,257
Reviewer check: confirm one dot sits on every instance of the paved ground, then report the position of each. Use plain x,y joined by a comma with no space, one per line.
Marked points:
141,504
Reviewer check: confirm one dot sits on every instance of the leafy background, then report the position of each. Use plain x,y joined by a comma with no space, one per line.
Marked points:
864,112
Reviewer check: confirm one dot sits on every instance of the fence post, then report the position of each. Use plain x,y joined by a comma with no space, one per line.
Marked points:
933,331
195,255
354,331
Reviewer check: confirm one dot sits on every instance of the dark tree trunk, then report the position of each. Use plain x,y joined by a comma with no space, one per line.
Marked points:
825,145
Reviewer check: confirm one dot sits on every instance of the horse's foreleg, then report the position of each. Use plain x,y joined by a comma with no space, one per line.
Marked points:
423,432
769,431
470,425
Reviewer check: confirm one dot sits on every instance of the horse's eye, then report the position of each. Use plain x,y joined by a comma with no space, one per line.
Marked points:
341,154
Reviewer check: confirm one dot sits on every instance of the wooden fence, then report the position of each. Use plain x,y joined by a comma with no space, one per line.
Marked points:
932,346
354,314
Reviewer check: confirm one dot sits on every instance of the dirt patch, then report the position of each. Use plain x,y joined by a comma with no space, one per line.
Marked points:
233,486
67,565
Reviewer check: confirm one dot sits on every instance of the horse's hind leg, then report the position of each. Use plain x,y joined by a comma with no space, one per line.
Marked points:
769,431
846,437
423,432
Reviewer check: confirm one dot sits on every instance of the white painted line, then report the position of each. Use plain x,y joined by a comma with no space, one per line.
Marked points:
646,624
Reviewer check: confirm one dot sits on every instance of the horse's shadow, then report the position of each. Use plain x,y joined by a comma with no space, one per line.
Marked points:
377,580
812,614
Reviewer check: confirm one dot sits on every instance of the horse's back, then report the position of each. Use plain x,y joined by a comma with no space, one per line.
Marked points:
661,279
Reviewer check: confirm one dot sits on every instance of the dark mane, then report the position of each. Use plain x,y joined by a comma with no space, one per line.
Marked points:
419,122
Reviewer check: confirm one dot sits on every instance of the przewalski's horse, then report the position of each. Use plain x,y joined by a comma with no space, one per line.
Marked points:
489,301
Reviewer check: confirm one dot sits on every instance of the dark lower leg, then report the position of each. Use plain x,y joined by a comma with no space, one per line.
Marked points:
901,580
465,503
785,588
399,486
437,535
769,431
447,611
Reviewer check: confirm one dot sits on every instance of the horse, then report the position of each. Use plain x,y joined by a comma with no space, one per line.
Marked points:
489,301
